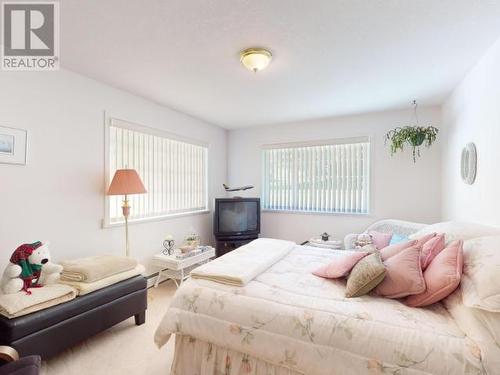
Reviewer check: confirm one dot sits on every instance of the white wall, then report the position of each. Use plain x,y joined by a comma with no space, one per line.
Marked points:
59,194
472,114
400,188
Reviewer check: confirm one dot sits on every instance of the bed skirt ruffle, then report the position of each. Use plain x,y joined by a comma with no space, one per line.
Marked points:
193,356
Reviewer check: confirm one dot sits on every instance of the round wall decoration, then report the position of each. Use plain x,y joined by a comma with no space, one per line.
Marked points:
468,164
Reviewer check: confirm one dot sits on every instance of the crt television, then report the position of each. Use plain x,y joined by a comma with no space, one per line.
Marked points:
237,217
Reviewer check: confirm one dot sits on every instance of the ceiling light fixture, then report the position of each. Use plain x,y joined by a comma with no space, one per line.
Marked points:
255,59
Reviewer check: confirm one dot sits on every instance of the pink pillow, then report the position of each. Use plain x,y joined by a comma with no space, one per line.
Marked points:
442,276
380,240
342,266
430,249
392,250
422,240
403,275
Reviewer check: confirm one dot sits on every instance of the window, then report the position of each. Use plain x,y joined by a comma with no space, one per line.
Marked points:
329,177
174,172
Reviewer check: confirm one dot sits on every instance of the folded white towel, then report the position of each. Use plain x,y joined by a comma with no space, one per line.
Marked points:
86,288
95,268
19,304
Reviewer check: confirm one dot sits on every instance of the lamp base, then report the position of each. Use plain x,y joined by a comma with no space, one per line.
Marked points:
126,213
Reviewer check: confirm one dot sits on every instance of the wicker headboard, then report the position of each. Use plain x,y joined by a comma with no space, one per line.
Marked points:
401,227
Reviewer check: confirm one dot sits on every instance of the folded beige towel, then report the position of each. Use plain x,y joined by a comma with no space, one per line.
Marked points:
86,288
96,267
19,304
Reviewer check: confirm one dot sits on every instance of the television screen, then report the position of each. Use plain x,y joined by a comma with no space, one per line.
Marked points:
238,216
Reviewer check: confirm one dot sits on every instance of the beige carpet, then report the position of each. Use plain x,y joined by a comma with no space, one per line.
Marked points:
122,349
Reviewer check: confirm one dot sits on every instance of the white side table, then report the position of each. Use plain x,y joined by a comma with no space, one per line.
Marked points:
178,269
317,242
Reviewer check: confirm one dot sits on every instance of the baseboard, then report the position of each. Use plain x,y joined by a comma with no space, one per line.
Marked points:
151,279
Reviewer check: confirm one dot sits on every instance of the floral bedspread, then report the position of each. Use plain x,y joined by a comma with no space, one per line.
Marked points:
289,317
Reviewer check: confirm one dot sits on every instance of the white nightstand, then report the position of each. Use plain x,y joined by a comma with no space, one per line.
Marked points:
178,269
317,242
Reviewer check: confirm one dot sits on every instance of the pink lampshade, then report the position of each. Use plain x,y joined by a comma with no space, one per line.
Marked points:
126,181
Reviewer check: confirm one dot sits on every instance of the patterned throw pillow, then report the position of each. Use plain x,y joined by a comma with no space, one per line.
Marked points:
366,275
369,248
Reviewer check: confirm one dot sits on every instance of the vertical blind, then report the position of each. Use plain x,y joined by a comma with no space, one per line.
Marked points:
174,172
333,177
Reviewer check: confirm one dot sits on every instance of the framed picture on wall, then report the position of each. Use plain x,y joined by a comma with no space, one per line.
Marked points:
13,144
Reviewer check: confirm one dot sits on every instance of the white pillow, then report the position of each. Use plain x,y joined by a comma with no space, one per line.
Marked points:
481,279
483,327
475,323
454,230
491,321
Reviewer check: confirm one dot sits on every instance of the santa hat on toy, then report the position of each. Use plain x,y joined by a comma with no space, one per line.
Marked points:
24,251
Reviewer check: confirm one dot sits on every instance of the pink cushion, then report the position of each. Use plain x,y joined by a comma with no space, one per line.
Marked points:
392,250
341,266
380,240
442,276
403,275
430,249
422,240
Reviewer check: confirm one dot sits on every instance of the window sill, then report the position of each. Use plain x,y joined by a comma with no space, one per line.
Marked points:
106,225
364,214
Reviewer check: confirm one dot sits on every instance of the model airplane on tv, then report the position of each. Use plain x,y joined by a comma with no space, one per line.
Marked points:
241,188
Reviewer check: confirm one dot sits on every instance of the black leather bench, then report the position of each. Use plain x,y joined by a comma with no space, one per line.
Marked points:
48,332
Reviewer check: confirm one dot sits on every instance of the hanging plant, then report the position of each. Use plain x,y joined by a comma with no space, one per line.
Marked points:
412,136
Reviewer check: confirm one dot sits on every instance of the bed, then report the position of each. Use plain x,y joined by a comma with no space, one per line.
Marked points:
288,321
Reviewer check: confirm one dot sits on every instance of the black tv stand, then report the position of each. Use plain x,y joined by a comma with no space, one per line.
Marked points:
236,223
226,244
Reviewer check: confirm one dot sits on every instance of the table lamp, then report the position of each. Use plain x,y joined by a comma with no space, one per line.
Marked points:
126,182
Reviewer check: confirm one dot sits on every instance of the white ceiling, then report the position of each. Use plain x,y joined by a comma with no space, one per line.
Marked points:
331,57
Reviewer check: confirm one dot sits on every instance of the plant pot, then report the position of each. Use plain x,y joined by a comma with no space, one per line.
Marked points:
417,139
